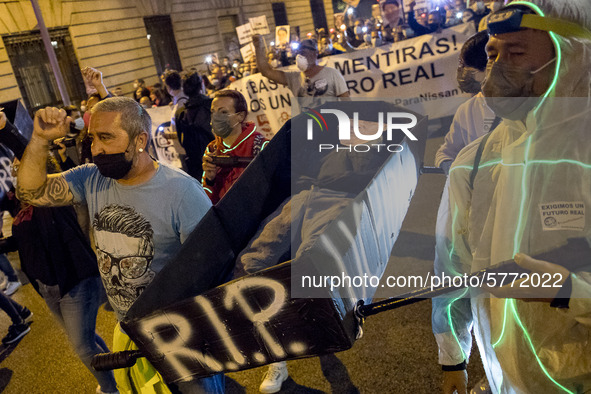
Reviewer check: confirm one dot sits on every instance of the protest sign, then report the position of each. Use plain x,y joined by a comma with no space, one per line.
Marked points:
282,36
247,52
259,25
244,33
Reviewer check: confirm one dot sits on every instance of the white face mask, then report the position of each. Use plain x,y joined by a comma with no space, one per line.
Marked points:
358,30
367,38
301,63
496,5
83,108
136,85
79,124
275,63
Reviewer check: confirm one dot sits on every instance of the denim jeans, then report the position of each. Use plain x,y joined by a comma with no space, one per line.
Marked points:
76,312
6,267
11,308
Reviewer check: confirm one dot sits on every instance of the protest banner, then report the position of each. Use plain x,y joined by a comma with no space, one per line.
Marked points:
419,72
259,25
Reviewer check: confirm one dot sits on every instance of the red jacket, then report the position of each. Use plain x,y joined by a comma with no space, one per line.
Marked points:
248,144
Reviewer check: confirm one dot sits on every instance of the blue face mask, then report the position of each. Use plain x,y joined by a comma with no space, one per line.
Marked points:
79,123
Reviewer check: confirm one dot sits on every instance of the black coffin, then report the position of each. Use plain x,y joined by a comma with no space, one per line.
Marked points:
188,329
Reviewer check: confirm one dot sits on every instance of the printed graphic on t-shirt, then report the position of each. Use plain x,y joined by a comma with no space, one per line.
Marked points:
125,250
313,88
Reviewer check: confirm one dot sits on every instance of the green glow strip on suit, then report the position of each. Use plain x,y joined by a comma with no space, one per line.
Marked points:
451,326
453,236
561,161
487,164
518,231
494,345
533,349
451,252
539,11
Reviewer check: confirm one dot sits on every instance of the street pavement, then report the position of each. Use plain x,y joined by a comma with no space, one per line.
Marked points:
397,353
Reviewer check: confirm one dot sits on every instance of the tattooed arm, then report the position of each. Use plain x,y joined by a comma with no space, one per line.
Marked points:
33,184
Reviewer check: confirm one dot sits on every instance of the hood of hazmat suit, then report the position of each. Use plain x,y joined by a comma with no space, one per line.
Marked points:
531,193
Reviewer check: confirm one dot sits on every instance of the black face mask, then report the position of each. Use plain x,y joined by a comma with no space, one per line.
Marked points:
114,165
434,26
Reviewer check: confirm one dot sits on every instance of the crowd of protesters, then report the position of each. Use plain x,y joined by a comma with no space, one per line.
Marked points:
356,33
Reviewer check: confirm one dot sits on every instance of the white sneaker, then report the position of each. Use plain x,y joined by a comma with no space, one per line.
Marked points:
274,378
12,287
100,391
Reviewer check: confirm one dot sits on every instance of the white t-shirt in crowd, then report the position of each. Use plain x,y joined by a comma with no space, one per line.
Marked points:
327,83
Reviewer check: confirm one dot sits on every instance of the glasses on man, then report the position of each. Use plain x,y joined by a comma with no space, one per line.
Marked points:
130,267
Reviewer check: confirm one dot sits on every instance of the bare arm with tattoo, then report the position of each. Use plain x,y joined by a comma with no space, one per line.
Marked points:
33,184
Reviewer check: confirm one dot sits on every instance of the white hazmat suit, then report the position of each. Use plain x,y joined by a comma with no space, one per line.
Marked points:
528,172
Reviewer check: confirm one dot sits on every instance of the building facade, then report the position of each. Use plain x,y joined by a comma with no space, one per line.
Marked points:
129,39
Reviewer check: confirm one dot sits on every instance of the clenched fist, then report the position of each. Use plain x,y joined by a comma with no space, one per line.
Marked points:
51,123
257,40
93,77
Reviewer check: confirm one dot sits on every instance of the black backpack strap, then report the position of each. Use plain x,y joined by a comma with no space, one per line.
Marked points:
477,160
478,156
495,123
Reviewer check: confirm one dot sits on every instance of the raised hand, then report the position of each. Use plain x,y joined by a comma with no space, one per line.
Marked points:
256,40
93,76
51,123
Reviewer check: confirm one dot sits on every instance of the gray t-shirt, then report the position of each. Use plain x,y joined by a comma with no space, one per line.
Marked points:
328,83
137,229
